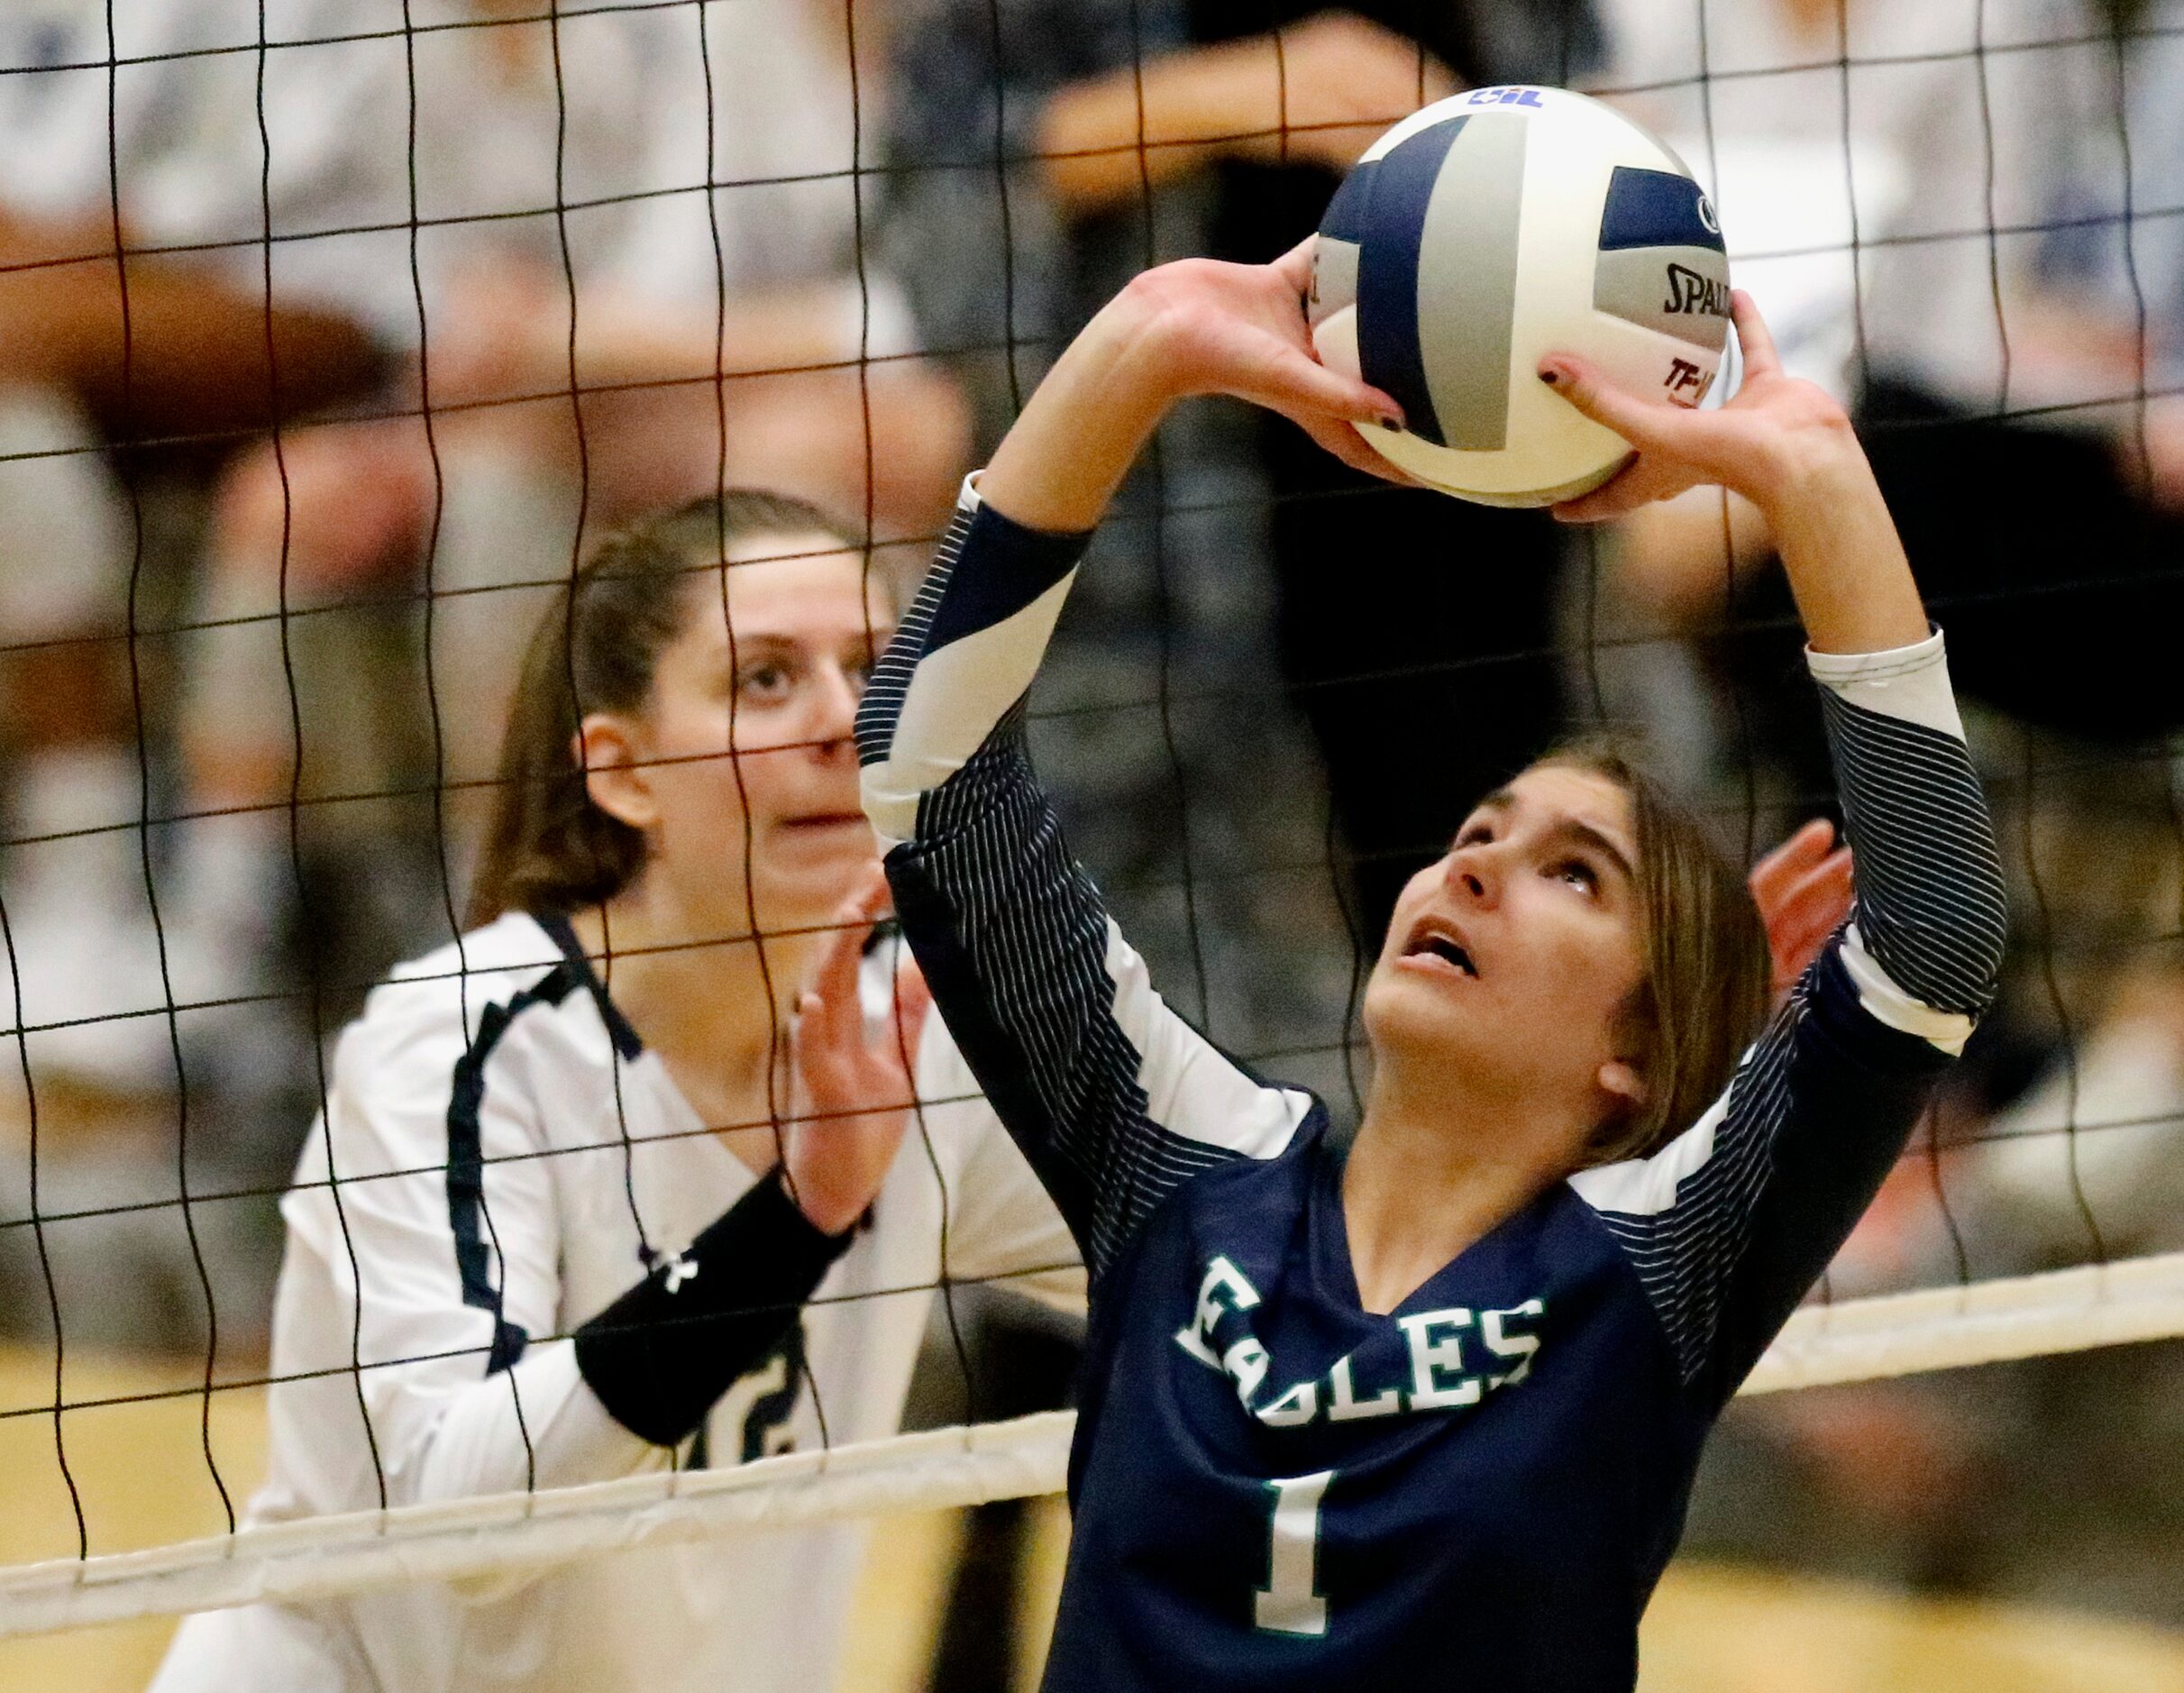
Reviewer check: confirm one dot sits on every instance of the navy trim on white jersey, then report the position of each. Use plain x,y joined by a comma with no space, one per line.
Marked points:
626,1040
466,1216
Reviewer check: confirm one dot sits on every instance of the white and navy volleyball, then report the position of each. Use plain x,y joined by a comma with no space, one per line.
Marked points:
1492,228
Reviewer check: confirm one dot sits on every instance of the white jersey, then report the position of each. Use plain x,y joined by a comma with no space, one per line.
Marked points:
510,1160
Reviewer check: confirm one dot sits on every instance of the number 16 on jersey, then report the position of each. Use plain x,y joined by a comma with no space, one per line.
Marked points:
1289,1603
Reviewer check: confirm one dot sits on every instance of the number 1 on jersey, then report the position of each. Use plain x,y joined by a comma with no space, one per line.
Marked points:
1289,1603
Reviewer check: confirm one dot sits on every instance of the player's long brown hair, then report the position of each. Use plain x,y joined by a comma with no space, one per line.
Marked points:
1705,995
548,848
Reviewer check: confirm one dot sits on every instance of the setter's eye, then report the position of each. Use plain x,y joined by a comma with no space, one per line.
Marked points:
1579,875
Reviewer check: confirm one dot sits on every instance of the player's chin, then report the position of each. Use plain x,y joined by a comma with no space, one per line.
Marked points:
1411,1009
811,868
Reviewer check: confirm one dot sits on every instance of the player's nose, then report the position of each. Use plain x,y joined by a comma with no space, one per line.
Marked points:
834,713
1473,874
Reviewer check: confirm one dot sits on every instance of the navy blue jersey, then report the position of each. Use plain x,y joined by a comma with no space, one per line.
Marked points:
1273,1488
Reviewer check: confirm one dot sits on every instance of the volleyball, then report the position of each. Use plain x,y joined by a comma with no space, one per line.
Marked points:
1494,227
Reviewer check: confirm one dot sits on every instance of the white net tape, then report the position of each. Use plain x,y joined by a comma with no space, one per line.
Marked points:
2061,1311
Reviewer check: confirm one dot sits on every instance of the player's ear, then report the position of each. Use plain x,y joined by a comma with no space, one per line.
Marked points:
615,775
1621,1081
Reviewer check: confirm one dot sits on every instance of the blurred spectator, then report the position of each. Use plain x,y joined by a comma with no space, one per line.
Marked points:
2154,275
313,676
87,542
590,176
1977,131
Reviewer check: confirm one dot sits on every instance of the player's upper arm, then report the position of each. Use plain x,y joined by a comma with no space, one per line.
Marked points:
448,1219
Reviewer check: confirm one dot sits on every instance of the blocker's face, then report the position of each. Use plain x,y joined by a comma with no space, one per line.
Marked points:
806,620
1513,956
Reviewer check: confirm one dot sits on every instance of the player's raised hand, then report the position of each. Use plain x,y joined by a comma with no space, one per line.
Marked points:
1756,444
854,1087
1196,326
1241,330
1803,891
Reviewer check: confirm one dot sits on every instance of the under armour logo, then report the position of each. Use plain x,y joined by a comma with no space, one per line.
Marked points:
679,1268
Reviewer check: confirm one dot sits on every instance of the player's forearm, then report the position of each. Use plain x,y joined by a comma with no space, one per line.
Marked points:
1060,464
662,1355
1840,548
1931,912
535,1425
640,1377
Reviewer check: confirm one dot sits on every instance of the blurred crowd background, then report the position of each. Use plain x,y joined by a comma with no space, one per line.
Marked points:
333,332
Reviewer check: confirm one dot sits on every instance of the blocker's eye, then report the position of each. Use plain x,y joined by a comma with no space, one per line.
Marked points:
765,681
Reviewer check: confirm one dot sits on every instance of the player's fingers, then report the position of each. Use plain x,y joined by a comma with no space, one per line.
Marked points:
1826,879
1346,444
1645,424
1814,907
1819,903
1291,380
1642,483
815,1057
1754,339
1794,950
1825,884
835,984
1294,267
1805,847
913,1005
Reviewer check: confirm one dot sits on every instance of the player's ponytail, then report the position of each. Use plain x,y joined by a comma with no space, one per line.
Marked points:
547,847
1705,993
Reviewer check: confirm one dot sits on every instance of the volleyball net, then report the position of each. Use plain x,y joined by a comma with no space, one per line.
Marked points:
2062,1311
344,347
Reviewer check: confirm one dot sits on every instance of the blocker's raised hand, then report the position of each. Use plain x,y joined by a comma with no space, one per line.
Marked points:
1803,891
1758,443
855,1089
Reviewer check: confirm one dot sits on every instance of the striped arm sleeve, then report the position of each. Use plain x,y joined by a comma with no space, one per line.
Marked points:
1115,1099
1729,1225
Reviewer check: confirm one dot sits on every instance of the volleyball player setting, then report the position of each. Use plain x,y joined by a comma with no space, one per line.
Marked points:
1494,227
